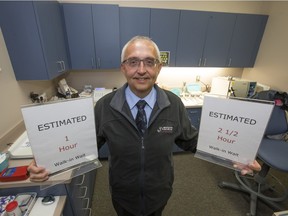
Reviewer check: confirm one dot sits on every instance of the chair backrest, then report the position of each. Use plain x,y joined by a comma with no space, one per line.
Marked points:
277,123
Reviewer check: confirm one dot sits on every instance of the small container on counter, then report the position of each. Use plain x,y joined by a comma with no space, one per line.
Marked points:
12,209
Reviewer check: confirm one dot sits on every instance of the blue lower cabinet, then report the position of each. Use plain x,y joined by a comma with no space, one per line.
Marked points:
194,115
104,151
78,192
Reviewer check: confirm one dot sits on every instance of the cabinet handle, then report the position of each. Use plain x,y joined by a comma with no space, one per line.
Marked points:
85,192
204,62
199,63
89,209
87,203
59,66
193,112
63,65
92,62
82,181
230,60
98,63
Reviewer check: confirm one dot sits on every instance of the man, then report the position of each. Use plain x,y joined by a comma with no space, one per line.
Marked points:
141,163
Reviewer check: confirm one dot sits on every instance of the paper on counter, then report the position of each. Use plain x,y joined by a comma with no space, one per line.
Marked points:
21,148
40,209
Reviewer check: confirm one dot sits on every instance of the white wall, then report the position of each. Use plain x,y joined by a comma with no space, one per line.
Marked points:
169,76
271,67
13,93
175,76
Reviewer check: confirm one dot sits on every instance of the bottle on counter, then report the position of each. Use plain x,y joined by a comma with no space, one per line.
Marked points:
12,209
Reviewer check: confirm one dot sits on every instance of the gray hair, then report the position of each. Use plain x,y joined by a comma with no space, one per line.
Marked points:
136,38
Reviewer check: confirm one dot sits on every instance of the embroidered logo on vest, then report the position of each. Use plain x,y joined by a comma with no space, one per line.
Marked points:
167,129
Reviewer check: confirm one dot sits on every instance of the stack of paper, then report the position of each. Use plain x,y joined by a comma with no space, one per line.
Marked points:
21,148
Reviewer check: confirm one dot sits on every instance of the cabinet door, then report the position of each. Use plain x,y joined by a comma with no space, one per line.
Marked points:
218,37
106,35
104,151
204,38
34,38
246,40
191,39
133,21
164,30
91,177
48,15
22,40
194,115
79,28
80,192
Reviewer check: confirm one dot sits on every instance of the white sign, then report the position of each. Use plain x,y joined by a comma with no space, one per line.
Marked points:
62,134
232,129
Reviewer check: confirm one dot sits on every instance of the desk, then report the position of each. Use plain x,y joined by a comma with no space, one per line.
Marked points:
56,209
61,178
12,188
75,194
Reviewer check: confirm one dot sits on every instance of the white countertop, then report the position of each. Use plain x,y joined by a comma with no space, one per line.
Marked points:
192,102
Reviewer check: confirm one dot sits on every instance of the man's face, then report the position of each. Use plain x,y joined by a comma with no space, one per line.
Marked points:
141,78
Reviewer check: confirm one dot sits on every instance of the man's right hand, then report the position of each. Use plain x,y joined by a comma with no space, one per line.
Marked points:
37,174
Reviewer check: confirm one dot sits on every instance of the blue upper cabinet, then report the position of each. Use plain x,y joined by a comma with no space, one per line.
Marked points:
211,39
93,35
106,35
191,40
246,40
79,28
133,21
218,37
34,37
204,38
164,30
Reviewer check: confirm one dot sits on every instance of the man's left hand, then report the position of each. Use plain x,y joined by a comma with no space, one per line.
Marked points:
248,169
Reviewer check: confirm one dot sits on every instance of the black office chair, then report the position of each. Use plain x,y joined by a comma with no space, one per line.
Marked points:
274,154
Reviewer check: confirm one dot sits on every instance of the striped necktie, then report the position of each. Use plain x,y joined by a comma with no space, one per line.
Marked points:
141,120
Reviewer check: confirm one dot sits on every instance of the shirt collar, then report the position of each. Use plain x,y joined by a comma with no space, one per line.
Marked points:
132,99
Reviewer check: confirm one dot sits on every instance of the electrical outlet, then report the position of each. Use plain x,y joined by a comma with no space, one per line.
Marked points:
197,78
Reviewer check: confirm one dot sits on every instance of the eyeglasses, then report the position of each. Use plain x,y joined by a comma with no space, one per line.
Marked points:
135,62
